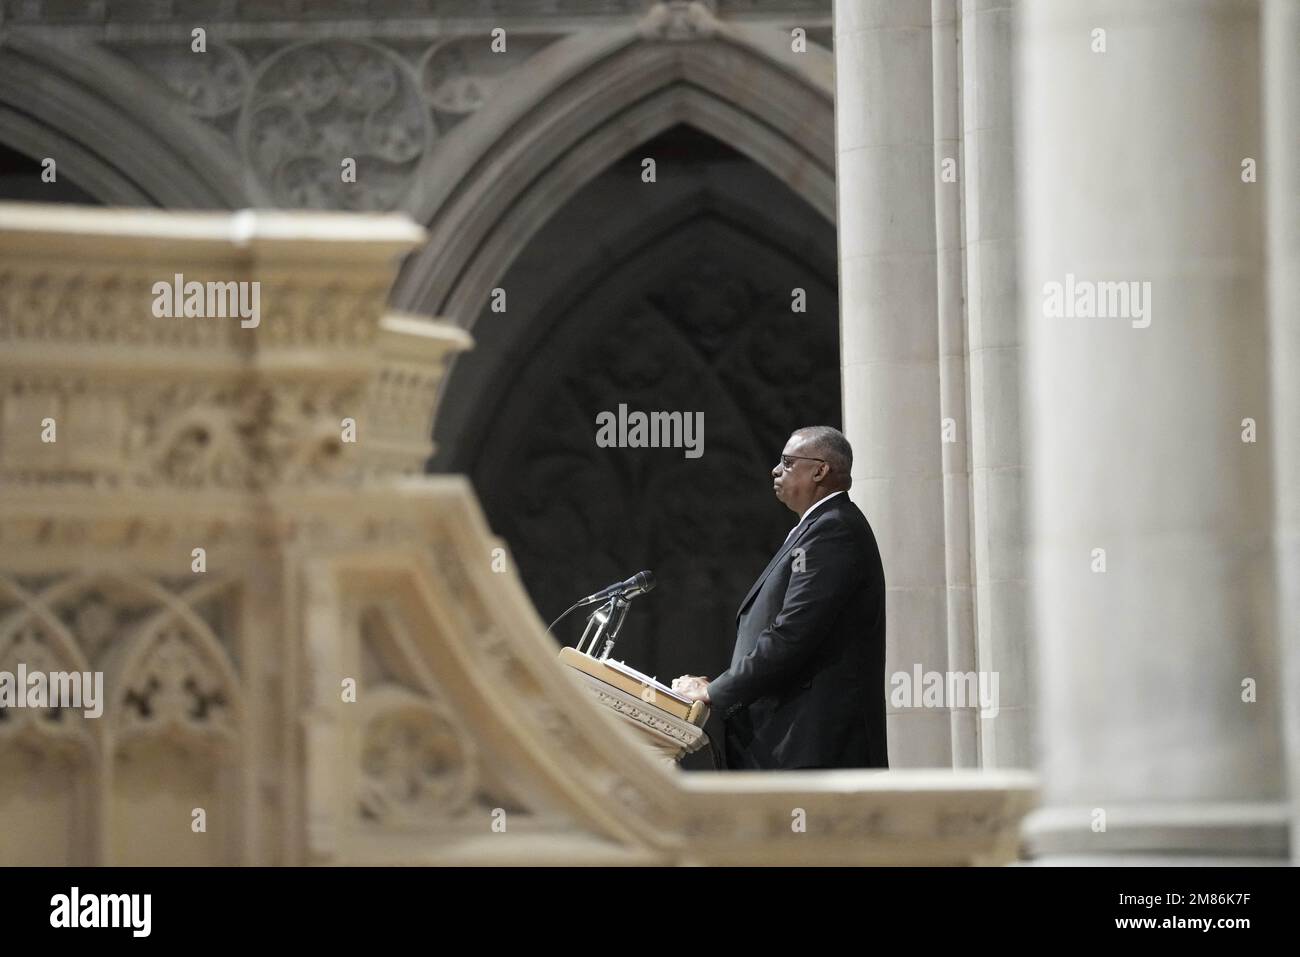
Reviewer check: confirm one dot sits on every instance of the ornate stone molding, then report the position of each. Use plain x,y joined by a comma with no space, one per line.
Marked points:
223,405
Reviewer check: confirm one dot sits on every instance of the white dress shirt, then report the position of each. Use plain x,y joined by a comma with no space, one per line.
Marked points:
820,501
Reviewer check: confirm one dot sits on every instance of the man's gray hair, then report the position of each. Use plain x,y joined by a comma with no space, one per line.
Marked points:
830,444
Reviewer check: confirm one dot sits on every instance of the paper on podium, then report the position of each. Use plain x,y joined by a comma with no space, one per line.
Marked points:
643,679
628,679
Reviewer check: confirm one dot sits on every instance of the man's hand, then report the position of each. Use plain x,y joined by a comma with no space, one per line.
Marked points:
693,687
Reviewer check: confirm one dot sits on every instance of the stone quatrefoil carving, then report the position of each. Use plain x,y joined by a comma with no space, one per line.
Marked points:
297,113
315,105
415,766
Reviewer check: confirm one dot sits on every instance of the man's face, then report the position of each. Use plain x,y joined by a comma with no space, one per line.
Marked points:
796,487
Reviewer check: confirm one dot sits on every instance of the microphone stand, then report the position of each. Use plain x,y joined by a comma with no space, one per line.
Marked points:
605,623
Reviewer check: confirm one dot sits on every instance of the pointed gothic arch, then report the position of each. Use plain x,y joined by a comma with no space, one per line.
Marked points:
504,172
126,141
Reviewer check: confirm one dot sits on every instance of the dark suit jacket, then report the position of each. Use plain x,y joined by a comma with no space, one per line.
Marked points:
806,686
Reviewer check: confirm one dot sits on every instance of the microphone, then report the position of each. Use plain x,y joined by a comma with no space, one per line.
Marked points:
638,584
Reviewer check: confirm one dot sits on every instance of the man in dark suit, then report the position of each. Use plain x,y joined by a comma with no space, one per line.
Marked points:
806,686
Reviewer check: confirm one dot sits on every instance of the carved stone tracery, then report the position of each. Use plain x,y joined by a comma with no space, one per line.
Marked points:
177,680
459,75
414,767
177,687
315,104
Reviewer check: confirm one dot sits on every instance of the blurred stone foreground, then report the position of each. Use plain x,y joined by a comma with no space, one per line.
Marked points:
339,675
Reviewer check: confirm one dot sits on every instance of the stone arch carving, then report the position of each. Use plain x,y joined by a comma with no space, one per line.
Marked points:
86,621
173,744
126,141
98,638
174,679
593,100
48,759
32,634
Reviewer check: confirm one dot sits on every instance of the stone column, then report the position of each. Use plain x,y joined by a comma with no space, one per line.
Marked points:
1131,168
885,145
1281,179
959,595
997,472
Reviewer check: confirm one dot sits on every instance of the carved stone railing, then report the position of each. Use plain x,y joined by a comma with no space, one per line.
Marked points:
323,650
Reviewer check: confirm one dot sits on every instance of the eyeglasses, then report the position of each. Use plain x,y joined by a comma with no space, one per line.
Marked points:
787,462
